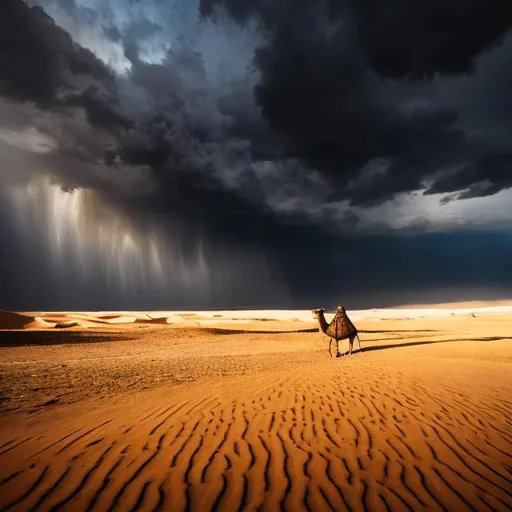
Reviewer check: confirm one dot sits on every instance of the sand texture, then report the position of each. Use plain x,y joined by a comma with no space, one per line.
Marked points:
248,414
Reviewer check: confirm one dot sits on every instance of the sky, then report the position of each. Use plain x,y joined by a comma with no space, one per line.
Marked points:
172,154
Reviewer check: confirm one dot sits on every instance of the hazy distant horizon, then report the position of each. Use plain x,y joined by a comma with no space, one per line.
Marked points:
436,298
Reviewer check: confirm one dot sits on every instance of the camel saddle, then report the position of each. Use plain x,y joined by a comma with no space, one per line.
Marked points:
341,327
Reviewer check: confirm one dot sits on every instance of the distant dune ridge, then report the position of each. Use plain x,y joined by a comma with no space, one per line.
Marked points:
58,320
50,320
245,410
10,320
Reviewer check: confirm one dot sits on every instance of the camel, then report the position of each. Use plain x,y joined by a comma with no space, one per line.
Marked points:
340,328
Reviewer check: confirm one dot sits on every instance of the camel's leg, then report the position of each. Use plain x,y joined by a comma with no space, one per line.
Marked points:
338,348
359,341
350,344
330,343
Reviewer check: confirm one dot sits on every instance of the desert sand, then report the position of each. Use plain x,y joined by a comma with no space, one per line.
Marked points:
234,410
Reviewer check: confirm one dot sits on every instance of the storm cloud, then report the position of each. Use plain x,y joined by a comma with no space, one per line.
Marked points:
276,132
350,82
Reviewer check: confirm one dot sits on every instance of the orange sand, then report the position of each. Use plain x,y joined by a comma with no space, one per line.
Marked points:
191,415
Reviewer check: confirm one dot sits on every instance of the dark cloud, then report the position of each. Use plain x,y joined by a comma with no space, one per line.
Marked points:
319,88
486,176
334,106
102,109
400,38
112,33
377,271
177,130
39,61
318,102
415,40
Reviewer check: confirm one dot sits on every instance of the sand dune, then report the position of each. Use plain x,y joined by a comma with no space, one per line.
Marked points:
10,320
66,324
278,318
218,419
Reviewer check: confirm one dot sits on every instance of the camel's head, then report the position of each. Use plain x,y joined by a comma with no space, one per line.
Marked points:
317,312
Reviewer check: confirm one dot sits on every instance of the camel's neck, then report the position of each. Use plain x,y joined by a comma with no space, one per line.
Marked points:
322,321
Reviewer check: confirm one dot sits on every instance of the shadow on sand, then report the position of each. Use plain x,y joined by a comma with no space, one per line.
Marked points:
35,338
15,338
380,331
216,330
417,343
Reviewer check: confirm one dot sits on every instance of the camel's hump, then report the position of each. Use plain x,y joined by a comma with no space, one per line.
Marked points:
341,327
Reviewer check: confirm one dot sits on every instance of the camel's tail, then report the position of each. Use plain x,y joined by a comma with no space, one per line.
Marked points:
359,341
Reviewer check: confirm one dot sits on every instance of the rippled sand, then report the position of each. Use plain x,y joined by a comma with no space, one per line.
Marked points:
198,416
